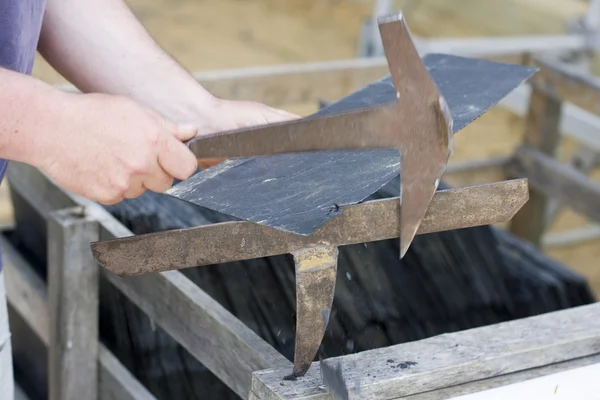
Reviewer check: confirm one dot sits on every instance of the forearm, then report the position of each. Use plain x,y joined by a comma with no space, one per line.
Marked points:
31,110
100,46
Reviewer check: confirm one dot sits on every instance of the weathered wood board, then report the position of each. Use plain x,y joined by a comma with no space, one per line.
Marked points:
28,301
297,192
448,360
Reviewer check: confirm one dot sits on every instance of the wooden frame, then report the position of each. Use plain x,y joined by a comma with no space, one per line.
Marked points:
555,84
200,324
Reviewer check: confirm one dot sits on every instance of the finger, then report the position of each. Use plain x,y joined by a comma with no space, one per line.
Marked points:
102,194
158,180
135,190
176,159
185,132
182,132
111,201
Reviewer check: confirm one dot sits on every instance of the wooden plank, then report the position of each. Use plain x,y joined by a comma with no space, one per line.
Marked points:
494,46
182,309
571,236
27,294
115,382
25,290
73,303
303,83
584,160
541,132
451,359
561,181
565,82
200,324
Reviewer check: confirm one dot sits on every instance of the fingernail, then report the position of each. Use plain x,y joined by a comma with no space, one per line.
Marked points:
187,128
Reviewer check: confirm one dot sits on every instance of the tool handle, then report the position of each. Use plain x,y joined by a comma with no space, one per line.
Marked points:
205,163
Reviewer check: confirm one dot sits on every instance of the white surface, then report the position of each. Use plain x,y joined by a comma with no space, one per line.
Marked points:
576,384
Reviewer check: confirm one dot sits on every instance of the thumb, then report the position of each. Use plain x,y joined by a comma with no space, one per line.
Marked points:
181,132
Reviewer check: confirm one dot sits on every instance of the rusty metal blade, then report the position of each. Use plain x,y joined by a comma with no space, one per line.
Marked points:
316,272
363,129
425,134
365,222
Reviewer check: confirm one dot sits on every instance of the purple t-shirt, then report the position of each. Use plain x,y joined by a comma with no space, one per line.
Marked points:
20,24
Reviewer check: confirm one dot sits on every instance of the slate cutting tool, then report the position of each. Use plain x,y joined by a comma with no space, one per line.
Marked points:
418,125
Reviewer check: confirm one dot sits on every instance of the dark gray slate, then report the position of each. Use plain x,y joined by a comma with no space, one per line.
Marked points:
299,192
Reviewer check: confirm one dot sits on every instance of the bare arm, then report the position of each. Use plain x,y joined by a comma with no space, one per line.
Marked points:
103,147
29,108
100,46
123,136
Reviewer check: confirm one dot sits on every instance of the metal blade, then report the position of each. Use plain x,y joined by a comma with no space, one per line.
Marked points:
418,125
362,129
316,272
425,134
365,222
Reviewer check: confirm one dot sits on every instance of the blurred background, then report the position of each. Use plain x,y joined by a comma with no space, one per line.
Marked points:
223,34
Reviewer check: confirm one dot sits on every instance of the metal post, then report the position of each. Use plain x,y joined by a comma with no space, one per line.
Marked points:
316,272
73,303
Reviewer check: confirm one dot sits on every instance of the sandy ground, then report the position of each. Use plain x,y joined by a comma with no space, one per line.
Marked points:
220,34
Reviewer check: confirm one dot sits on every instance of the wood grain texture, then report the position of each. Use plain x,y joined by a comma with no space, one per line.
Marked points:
27,294
584,160
564,82
450,359
558,180
73,303
542,133
115,382
503,380
184,310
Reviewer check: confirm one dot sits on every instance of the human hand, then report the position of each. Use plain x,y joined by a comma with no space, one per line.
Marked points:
107,148
224,115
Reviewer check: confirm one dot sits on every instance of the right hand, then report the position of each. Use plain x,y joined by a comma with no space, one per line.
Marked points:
107,148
